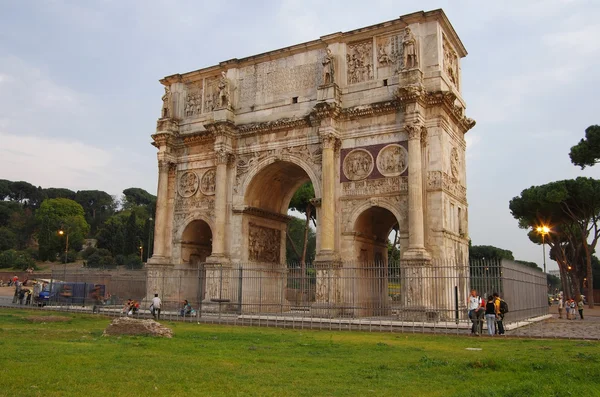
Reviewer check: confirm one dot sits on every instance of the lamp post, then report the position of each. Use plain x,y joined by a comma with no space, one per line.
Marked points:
62,232
150,230
141,253
543,230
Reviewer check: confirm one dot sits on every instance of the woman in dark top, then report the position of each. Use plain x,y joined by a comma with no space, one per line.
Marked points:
490,315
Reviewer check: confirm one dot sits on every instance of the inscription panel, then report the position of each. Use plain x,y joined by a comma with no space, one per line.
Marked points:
261,83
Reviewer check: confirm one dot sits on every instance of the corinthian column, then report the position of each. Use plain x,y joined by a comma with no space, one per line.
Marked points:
416,240
160,227
327,214
218,242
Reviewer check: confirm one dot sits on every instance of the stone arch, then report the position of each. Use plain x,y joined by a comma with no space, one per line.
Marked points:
194,239
298,161
373,202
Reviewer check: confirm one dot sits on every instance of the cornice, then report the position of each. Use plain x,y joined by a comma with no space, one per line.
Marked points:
370,110
261,213
275,125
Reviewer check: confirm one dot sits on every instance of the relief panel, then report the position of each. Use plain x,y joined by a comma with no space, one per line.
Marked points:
263,244
359,61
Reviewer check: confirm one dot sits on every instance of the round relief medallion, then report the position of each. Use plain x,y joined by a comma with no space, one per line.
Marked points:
188,184
207,185
358,164
392,160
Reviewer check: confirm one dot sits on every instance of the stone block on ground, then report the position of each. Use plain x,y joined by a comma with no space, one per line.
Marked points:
131,326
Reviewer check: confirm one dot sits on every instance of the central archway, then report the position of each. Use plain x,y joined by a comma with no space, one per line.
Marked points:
266,201
375,273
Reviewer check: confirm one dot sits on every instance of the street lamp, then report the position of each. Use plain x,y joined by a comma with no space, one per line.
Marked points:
62,232
141,253
543,230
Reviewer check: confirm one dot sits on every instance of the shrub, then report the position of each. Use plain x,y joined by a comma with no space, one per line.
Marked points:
120,260
17,260
89,251
101,259
132,261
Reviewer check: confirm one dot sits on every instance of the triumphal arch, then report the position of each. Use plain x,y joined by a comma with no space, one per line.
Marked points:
374,118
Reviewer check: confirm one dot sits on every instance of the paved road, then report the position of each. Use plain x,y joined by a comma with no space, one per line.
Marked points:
589,328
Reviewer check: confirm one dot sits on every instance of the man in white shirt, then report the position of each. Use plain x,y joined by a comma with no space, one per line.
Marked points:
476,311
156,307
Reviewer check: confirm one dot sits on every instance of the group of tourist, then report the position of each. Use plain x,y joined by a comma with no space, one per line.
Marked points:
492,309
131,307
570,307
25,296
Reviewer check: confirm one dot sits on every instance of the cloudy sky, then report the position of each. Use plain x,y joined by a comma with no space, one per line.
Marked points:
79,91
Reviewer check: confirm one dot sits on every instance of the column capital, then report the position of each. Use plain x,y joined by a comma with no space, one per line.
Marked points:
416,130
221,129
166,165
223,156
330,140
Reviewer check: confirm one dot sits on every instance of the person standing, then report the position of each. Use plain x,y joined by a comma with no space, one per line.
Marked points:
491,315
580,307
474,305
18,287
156,302
572,307
561,306
500,314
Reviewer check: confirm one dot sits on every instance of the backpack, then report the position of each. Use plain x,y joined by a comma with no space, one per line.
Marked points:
503,306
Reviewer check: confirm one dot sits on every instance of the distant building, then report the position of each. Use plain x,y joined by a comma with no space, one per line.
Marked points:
554,273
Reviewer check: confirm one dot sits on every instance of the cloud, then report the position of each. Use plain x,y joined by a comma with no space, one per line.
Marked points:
75,165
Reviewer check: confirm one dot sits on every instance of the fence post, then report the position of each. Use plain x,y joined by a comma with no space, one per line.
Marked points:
240,291
456,303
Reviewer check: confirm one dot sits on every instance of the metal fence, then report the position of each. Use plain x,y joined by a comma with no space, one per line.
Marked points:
429,297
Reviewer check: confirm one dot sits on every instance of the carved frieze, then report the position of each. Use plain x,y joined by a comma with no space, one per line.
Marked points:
392,160
358,164
389,51
207,185
188,184
371,187
193,101
438,180
187,204
264,244
359,60
450,62
211,94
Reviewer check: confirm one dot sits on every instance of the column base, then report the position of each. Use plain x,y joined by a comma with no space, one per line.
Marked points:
327,258
159,261
417,254
217,259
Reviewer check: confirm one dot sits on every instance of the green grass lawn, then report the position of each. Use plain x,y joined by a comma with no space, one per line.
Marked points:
73,358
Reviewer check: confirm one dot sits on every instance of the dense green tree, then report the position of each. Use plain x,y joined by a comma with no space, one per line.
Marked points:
132,235
587,151
572,208
295,241
138,197
111,235
98,206
60,214
532,265
302,202
59,193
8,239
489,252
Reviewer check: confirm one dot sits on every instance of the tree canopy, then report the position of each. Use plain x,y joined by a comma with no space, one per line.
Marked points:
587,152
571,208
60,214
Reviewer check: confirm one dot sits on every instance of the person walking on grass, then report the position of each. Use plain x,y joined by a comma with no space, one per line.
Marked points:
491,315
156,302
